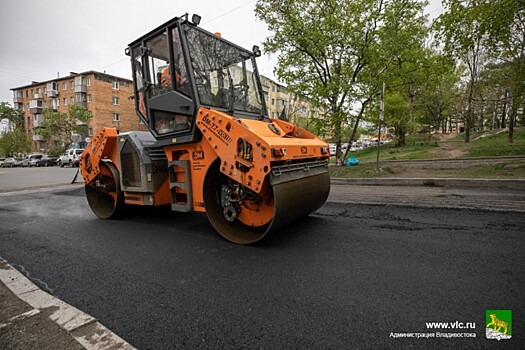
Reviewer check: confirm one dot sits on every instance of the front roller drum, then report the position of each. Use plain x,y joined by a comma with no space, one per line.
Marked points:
284,199
103,194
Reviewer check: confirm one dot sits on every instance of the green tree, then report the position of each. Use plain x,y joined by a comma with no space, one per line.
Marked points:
14,142
14,116
462,31
62,126
438,93
325,48
504,23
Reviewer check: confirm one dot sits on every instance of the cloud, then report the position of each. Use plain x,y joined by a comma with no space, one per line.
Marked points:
41,38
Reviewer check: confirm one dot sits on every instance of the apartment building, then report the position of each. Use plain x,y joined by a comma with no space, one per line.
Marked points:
280,102
108,97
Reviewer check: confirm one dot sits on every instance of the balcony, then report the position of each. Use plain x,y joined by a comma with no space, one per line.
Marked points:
38,120
80,88
52,89
80,84
52,93
18,97
38,96
38,137
36,106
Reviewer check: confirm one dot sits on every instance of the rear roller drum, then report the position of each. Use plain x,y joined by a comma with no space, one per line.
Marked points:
104,194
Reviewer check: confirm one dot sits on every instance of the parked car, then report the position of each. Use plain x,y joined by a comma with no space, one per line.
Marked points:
71,157
47,161
2,161
31,160
332,149
12,162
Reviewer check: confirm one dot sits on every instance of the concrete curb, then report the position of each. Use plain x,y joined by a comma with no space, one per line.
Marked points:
85,329
432,182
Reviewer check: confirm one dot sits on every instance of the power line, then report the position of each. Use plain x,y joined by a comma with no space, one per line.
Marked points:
17,75
114,63
232,10
125,58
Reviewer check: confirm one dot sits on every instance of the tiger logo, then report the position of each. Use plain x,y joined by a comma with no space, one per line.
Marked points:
497,324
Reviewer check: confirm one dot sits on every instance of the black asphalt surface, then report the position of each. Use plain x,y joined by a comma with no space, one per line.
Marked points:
343,278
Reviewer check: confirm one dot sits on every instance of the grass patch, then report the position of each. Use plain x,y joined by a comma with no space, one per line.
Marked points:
498,146
420,147
389,152
362,171
508,170
492,171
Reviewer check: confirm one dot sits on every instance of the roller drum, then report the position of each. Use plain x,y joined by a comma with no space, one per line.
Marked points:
298,195
294,195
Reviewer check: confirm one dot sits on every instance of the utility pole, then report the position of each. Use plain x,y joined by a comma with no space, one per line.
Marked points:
381,118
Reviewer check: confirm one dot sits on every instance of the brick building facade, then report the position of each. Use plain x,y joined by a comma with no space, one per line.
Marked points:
108,98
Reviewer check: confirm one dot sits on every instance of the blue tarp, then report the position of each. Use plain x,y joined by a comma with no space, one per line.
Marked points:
352,161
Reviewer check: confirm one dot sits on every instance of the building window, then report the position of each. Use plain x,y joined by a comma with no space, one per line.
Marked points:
65,101
88,81
37,90
32,92
89,98
71,100
115,101
273,101
116,117
71,85
45,90
116,85
64,86
27,93
90,131
273,88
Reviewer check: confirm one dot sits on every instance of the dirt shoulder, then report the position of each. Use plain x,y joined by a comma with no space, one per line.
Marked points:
470,168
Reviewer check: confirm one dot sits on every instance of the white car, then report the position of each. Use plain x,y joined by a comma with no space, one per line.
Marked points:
71,157
332,149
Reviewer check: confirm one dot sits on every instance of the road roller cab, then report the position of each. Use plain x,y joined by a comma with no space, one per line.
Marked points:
211,146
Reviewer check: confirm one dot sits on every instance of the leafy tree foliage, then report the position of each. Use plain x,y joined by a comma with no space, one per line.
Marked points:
61,126
14,116
504,21
488,35
337,52
14,140
462,32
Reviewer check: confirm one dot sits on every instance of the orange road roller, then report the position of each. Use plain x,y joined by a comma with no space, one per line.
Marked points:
211,146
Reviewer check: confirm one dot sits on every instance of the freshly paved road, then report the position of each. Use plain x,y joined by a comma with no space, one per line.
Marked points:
343,278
